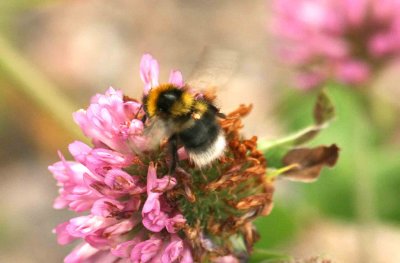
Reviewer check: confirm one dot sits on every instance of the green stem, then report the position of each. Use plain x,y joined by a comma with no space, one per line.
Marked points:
365,205
364,193
36,87
265,146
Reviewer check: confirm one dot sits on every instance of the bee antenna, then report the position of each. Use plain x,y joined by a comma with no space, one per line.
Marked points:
137,113
141,106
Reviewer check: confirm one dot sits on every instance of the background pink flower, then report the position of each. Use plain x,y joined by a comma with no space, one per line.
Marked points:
339,40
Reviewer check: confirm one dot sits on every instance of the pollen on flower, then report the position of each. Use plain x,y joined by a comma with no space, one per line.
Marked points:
135,210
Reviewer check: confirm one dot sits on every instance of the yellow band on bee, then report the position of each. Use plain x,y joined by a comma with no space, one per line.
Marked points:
183,106
154,94
200,107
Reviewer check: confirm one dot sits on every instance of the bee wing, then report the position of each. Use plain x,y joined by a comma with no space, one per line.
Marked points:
213,70
156,130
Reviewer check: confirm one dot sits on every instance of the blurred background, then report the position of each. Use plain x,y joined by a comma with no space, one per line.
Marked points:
55,55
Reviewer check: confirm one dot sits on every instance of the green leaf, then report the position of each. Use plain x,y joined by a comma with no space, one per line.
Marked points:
265,256
275,150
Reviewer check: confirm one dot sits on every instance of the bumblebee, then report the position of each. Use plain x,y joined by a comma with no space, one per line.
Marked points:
188,119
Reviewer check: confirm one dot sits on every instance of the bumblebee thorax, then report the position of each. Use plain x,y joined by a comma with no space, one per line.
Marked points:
167,100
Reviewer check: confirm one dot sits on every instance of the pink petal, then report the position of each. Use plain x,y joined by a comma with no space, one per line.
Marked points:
149,72
79,149
120,228
182,154
164,184
122,182
154,222
381,44
81,253
86,225
60,203
173,250
153,218
146,250
172,222
152,203
151,178
308,81
186,255
353,72
156,185
124,249
105,207
63,237
175,77
356,11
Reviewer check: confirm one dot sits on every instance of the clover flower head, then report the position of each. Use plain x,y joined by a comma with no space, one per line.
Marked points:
337,39
134,211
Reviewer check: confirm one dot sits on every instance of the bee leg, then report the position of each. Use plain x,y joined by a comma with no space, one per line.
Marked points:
203,175
144,118
217,112
137,113
173,149
221,115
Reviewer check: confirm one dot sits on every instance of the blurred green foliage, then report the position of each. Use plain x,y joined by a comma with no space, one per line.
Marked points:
366,156
361,140
277,228
265,256
10,9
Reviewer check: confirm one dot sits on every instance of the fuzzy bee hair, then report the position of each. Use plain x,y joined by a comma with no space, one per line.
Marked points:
187,120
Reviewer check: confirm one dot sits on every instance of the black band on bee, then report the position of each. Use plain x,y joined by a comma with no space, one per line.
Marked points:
167,99
201,133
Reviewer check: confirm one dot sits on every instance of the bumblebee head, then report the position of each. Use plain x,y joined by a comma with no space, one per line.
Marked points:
167,100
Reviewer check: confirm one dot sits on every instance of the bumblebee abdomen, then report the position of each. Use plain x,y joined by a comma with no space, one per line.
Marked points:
204,140
201,133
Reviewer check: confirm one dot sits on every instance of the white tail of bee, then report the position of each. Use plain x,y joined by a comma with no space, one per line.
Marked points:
213,152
